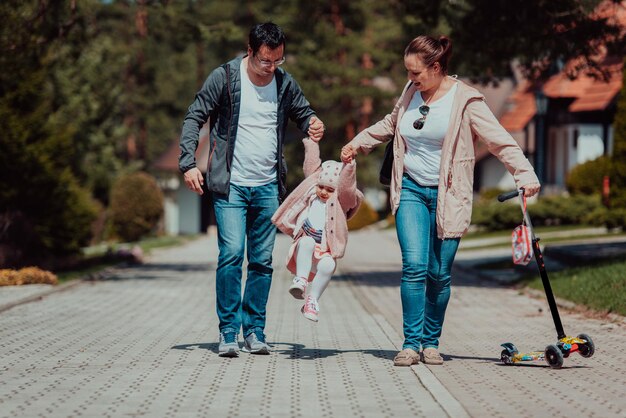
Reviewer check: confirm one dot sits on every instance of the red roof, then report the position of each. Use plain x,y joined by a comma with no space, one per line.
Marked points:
521,108
590,94
168,161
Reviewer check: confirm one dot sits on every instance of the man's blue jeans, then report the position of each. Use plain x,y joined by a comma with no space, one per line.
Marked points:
426,266
244,217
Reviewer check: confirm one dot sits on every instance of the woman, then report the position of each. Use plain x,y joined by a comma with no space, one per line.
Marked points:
433,126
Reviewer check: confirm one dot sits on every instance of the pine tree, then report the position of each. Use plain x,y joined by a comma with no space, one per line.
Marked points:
43,210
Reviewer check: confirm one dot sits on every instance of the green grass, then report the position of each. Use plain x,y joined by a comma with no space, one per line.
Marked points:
167,241
146,244
600,287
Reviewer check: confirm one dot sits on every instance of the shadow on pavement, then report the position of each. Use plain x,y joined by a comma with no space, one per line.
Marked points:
582,254
147,271
294,351
301,352
542,365
460,277
449,357
176,267
198,346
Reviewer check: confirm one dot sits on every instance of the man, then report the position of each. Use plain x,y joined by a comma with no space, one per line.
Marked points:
249,101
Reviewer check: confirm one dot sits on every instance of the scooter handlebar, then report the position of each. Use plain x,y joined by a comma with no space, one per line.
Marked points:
508,195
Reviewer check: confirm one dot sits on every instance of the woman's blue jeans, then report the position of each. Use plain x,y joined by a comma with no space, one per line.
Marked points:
426,266
244,217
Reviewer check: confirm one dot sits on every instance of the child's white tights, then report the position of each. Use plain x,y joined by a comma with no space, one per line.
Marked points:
304,262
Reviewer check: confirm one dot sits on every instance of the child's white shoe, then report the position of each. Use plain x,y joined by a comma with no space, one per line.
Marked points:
298,287
311,309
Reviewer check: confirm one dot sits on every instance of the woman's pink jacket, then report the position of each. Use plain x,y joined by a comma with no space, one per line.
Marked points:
470,121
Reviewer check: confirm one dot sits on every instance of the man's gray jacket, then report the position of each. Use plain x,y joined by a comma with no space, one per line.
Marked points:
220,99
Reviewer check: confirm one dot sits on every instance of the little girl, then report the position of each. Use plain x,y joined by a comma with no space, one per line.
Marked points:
315,214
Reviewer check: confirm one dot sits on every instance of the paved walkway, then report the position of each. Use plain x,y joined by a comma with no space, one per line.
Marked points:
144,343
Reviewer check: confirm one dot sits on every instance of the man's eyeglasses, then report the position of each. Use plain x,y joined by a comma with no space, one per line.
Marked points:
268,64
419,123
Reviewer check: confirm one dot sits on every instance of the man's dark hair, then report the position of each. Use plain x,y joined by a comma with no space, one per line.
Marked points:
267,33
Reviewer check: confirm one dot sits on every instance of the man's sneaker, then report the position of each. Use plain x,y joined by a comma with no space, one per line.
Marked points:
298,287
229,347
255,345
311,309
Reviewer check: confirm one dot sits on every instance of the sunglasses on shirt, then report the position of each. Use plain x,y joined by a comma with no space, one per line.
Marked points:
419,123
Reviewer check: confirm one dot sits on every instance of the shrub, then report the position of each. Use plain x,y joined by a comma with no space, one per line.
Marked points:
561,210
364,216
490,195
136,206
616,218
495,216
596,217
43,232
26,275
38,189
551,210
586,178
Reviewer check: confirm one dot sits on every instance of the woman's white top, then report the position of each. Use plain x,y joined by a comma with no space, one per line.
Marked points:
256,144
423,147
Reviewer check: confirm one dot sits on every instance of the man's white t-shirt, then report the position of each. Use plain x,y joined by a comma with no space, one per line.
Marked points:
256,148
423,147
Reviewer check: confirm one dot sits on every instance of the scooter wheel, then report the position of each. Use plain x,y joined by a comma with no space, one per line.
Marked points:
586,350
505,357
554,356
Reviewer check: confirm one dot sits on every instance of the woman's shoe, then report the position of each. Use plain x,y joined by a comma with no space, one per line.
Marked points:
406,357
431,355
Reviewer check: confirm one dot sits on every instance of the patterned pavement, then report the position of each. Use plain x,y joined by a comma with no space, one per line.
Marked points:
480,316
144,343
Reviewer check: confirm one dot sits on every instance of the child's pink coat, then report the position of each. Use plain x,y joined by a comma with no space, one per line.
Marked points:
340,207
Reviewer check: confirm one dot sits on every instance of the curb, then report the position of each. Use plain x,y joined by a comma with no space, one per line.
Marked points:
437,390
571,306
39,296
538,294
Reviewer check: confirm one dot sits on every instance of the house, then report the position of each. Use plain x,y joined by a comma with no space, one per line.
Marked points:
572,125
185,211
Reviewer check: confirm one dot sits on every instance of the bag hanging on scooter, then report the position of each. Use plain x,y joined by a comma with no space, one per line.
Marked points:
522,245
522,240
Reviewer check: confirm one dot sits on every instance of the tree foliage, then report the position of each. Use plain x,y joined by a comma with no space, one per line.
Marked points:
618,171
540,34
43,209
348,58
92,90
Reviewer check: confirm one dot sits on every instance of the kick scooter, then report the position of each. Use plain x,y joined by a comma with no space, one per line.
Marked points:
553,353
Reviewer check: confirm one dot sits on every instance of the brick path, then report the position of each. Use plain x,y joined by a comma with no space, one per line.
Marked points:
482,315
144,343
